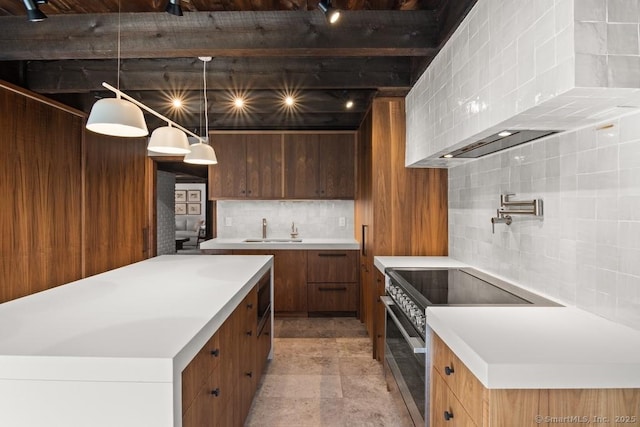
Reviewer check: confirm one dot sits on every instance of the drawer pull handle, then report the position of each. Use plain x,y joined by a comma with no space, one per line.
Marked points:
215,392
249,374
333,255
249,333
249,306
343,288
448,370
216,352
448,415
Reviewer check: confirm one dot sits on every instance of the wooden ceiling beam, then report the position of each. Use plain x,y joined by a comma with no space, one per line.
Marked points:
232,34
180,74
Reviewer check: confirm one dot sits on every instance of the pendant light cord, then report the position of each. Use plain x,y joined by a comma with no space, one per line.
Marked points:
118,79
206,115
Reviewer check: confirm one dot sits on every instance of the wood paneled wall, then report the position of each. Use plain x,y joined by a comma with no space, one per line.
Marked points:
116,230
74,203
41,209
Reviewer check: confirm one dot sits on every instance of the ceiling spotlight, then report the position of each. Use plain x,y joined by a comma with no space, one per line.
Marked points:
33,13
173,7
504,133
332,14
448,156
349,104
238,102
176,103
289,101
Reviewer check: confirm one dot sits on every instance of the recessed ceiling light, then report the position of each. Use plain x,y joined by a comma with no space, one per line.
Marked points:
238,102
289,101
504,133
349,104
176,102
448,156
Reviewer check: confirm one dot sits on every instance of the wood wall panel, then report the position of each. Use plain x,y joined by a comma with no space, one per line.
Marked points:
40,184
116,202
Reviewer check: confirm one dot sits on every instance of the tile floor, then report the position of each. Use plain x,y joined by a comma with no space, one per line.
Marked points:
322,374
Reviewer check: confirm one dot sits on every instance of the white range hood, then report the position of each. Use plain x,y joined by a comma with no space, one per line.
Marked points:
519,66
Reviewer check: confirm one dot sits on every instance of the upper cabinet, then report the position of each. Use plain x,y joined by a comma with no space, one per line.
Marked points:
283,166
319,166
249,166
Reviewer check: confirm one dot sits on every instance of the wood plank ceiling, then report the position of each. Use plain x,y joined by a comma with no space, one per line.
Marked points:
261,49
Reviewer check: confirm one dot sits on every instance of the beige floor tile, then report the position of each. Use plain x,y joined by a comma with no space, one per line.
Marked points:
306,386
288,364
360,366
381,412
305,346
295,412
363,386
354,347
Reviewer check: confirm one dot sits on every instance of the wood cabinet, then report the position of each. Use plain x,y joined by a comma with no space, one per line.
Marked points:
289,280
458,398
219,383
398,211
249,166
319,166
379,313
332,279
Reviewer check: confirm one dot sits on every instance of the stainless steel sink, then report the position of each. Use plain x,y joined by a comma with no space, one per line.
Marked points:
272,240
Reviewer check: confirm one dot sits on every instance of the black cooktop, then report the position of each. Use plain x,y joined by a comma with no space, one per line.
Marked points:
451,287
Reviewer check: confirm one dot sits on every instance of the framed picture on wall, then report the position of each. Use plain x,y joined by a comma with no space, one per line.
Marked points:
181,196
193,195
194,208
181,208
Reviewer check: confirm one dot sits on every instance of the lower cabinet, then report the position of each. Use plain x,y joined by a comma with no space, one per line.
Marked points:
459,399
332,281
332,297
219,383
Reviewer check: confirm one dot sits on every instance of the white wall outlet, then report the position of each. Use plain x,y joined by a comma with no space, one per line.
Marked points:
228,221
342,221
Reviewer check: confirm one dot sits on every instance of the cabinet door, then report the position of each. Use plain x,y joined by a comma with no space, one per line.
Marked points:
301,159
264,166
446,409
336,172
228,178
333,297
332,266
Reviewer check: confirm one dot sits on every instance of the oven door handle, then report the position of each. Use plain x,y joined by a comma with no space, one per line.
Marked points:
417,345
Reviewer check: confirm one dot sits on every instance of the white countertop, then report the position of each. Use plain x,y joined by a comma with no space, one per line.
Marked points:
306,244
540,347
532,347
142,322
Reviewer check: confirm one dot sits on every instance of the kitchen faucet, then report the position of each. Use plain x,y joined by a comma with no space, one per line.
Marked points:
264,228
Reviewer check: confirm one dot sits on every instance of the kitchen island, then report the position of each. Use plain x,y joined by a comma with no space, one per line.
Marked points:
110,349
527,365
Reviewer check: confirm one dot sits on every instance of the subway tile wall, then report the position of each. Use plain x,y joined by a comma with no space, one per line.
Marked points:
512,64
314,219
585,251
165,205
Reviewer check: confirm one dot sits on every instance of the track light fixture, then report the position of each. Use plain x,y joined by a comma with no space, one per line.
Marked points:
33,13
332,14
173,7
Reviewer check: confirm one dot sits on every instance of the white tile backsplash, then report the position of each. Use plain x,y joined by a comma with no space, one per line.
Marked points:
585,251
313,219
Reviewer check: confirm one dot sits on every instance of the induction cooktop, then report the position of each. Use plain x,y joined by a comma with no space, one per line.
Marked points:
460,286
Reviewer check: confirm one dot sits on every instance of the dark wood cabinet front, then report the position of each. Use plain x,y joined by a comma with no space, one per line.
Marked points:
249,166
319,166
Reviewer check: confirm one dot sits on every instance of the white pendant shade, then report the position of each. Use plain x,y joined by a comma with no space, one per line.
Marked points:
117,117
168,140
201,154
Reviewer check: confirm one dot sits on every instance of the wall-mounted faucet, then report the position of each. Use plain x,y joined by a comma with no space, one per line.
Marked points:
264,228
510,207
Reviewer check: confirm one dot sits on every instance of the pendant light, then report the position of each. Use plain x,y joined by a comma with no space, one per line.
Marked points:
117,117
202,153
168,140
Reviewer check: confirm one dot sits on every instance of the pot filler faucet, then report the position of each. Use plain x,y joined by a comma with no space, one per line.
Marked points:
264,228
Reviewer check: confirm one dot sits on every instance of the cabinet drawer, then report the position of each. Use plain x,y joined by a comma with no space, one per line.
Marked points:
464,385
198,370
332,266
446,409
332,297
208,404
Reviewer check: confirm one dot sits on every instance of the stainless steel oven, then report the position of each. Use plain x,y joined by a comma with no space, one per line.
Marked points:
406,359
409,291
